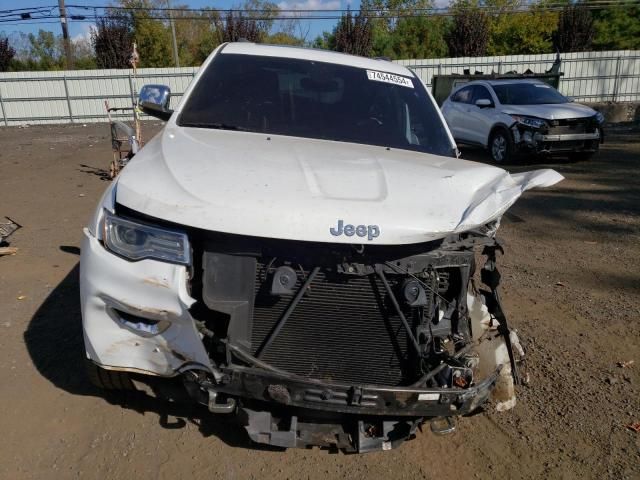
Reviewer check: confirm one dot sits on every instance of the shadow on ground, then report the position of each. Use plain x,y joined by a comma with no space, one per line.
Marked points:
611,176
54,341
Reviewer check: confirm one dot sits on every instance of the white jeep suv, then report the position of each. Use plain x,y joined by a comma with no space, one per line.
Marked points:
298,247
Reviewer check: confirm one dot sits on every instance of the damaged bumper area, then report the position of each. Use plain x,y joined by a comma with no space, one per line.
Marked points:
310,344
135,315
557,136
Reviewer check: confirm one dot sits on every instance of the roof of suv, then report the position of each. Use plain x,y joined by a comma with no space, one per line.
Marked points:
507,81
246,48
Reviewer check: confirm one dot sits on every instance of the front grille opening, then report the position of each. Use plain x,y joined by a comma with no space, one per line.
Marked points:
344,329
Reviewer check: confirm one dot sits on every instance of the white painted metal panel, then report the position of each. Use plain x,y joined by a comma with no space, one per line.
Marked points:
42,97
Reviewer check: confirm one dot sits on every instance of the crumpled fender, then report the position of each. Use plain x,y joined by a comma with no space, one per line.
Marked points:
493,199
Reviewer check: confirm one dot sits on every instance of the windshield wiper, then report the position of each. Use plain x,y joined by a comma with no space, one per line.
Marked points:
215,125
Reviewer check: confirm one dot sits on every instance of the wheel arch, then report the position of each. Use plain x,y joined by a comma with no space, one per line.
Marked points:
495,128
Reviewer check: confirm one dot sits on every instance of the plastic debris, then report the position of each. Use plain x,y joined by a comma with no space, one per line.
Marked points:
635,426
626,364
8,228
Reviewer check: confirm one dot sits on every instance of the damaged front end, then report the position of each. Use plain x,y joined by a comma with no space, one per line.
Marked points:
532,135
337,345
350,347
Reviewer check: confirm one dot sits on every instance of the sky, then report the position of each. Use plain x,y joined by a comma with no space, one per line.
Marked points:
78,29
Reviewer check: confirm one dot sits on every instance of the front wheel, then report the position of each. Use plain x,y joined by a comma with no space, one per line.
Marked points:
108,379
501,146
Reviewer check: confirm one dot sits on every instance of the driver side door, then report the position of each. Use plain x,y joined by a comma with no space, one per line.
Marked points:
480,119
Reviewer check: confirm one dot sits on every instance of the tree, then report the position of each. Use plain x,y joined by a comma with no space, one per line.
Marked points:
419,37
389,12
196,37
7,52
354,34
617,28
575,29
237,26
45,51
529,30
83,54
263,13
326,41
284,38
469,32
112,40
152,36
393,21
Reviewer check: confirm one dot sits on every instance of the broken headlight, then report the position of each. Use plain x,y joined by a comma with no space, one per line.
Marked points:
136,241
529,121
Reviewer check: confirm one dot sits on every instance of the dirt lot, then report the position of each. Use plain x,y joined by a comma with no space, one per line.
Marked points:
571,285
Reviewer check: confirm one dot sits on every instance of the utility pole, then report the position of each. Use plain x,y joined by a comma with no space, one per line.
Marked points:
65,35
173,34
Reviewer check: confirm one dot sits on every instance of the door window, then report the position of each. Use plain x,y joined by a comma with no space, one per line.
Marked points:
463,95
481,93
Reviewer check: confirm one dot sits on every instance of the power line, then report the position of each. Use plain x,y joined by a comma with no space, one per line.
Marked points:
165,14
592,5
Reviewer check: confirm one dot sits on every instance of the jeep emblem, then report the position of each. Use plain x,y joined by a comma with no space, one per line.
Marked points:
369,231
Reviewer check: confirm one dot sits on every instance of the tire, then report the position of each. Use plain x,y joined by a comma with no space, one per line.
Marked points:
501,146
107,379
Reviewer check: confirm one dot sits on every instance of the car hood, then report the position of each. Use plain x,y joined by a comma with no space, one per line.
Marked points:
559,111
300,189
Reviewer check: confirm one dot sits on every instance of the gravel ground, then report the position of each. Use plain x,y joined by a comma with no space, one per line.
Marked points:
571,286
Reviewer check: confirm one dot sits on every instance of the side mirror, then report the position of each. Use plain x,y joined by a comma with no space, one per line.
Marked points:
484,103
571,99
154,101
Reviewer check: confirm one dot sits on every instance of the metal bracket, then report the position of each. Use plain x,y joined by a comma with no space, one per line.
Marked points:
443,425
490,276
216,407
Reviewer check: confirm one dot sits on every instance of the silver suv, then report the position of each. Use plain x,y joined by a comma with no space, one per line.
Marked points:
522,116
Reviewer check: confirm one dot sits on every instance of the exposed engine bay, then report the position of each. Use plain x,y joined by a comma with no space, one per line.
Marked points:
304,335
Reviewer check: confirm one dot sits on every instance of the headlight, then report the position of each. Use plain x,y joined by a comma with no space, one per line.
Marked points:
599,118
529,121
136,241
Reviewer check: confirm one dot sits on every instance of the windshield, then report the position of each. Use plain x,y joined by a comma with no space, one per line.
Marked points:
528,94
304,98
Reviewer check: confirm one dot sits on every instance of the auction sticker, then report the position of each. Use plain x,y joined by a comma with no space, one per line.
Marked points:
389,78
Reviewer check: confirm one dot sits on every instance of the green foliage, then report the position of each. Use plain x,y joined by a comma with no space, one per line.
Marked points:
382,40
196,38
468,34
419,37
45,51
112,41
575,29
238,26
354,34
283,38
326,41
264,18
389,12
7,52
617,28
525,32
152,36
397,29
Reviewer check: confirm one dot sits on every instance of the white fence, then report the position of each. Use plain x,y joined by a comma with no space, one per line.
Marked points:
78,96
588,76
